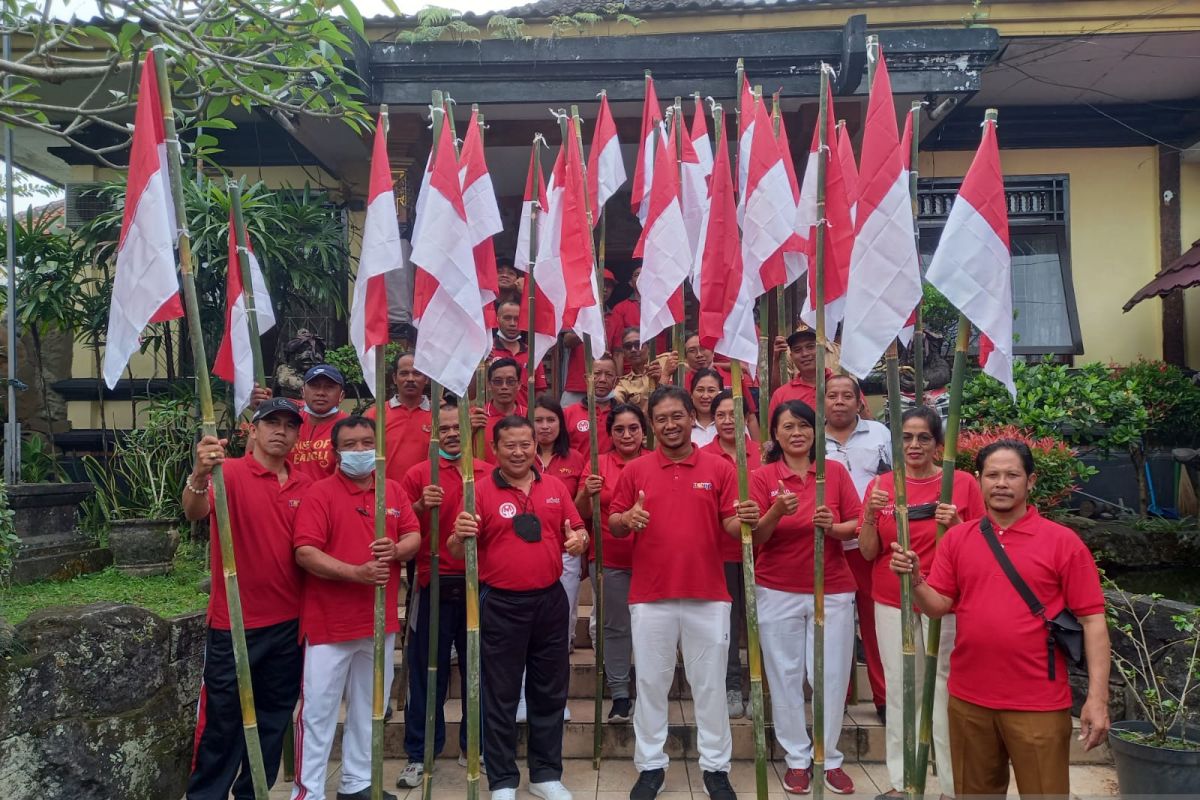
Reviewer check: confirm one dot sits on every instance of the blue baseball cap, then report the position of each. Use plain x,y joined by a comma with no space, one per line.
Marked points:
325,371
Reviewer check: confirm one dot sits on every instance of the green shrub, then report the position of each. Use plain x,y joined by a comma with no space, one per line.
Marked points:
9,541
1171,399
1056,465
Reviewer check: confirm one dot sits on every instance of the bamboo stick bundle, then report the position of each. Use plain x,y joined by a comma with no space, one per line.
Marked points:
435,594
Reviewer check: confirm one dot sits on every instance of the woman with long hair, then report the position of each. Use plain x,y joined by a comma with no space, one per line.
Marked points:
704,386
628,427
785,488
923,439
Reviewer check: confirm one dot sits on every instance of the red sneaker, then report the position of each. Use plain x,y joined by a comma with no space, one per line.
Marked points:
838,782
798,781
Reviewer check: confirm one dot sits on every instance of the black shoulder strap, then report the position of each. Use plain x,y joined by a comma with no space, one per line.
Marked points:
1014,577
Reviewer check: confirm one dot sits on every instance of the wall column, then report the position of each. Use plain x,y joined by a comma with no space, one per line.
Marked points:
1174,323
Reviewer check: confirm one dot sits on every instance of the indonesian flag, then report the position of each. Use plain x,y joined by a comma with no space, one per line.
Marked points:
972,266
839,228
483,216
145,287
606,170
701,142
849,168
448,305
769,209
789,263
523,259
666,259
746,120
885,276
235,359
910,326
693,194
643,170
727,289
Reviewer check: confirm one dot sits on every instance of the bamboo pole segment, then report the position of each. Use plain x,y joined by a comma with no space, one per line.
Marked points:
914,174
237,627
248,298
435,594
818,677
764,336
593,441
677,334
783,321
531,288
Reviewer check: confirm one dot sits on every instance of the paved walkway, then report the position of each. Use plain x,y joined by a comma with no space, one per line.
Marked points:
615,778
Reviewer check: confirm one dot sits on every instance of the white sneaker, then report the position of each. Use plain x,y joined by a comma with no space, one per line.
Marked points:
522,711
566,713
504,794
462,762
413,772
549,790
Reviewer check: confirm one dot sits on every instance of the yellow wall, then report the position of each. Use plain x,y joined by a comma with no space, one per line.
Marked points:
1113,238
1189,191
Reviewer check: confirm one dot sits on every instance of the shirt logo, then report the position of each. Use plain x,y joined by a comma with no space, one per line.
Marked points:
393,512
294,503
508,510
553,501
426,428
704,485
582,426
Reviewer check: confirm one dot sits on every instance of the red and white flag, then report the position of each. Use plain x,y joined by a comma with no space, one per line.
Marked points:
606,170
972,265
448,305
523,259
768,208
643,170
746,120
145,287
700,139
483,216
666,257
849,168
885,276
839,228
235,355
910,326
693,190
788,264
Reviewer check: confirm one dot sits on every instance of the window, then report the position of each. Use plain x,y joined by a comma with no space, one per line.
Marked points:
1047,322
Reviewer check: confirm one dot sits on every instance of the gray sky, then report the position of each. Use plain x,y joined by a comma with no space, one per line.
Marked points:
87,8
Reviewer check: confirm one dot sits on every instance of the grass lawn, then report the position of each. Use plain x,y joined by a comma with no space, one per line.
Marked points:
166,595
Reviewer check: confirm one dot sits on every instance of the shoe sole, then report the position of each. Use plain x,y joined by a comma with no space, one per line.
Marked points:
402,783
835,790
798,791
619,718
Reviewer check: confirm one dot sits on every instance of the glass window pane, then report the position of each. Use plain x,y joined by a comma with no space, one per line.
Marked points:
1039,297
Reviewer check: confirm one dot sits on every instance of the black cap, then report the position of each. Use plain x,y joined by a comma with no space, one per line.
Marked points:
801,334
276,404
325,371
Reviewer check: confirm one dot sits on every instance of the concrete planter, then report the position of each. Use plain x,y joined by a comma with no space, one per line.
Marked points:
143,546
51,547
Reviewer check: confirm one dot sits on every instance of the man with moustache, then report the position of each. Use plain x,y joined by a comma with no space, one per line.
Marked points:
503,389
802,349
263,494
323,391
509,342
678,503
409,419
604,377
524,522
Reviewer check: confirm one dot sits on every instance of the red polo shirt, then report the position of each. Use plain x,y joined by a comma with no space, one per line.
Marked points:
261,516
578,428
522,358
568,470
731,547
408,431
450,479
796,389
313,453
625,314
785,562
727,382
506,561
999,658
922,533
618,553
494,415
338,518
575,379
677,556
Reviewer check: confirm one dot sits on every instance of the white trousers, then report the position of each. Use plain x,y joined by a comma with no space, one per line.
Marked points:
786,630
888,634
570,580
332,671
700,629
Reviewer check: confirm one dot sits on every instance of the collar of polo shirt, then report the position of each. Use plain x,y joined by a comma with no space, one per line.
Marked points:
501,483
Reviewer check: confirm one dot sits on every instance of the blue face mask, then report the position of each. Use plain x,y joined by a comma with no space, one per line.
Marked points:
357,463
449,457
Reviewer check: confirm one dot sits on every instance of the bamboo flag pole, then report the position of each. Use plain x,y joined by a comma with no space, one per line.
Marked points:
818,678
933,631
248,298
654,151
764,336
783,320
435,594
593,441
531,287
677,328
237,627
914,174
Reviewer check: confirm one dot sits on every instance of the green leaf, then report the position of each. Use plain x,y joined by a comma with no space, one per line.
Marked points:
217,107
353,16
220,123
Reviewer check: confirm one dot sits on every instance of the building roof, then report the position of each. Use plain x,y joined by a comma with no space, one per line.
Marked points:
1179,274
544,9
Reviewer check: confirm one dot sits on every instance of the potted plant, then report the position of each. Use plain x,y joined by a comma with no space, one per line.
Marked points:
138,491
1155,649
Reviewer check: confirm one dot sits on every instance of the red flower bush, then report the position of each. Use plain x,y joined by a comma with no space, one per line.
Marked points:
1057,466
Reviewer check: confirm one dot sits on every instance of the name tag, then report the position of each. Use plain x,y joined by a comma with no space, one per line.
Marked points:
703,485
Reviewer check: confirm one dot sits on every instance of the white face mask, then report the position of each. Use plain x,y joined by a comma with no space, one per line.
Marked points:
357,463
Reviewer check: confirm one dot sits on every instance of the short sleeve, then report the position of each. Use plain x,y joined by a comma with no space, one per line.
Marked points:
312,522
727,497
849,503
1081,580
569,510
625,493
413,482
407,522
942,576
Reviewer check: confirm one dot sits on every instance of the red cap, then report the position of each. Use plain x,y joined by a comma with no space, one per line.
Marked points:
608,276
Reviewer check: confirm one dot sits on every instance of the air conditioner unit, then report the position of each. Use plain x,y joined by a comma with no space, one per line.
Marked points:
84,203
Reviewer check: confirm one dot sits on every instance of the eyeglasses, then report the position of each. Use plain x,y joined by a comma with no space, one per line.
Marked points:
632,345
505,381
919,438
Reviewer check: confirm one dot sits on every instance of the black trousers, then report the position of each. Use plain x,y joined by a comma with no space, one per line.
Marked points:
523,632
219,761
452,629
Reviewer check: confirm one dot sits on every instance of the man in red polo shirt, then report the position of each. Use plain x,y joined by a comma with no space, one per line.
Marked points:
604,376
263,495
509,342
409,419
323,391
335,544
446,495
524,521
802,349
503,384
1009,702
679,503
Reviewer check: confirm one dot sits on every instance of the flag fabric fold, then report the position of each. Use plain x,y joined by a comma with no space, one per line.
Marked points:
746,120
522,258
972,265
235,357
849,168
606,170
483,216
693,191
145,286
701,142
788,264
768,209
885,277
643,170
666,256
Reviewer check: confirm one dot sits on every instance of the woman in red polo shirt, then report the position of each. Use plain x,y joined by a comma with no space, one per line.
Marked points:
922,481
704,386
725,446
627,427
786,487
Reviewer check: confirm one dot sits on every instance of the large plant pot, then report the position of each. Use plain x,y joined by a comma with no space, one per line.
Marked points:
143,546
1143,769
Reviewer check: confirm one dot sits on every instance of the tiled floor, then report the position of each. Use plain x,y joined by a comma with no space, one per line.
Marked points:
615,778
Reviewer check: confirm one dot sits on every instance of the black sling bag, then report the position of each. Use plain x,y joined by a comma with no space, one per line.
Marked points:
1063,631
